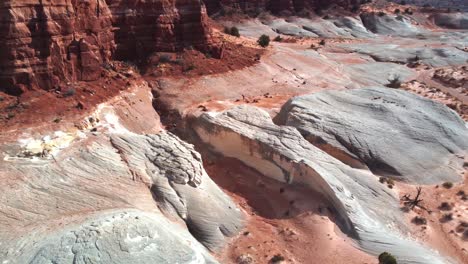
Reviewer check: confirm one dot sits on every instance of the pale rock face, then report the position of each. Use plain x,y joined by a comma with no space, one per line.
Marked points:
119,237
366,210
180,185
100,201
393,132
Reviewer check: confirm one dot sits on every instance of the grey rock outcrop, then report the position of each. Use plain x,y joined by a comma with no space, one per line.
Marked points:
390,25
393,132
365,209
451,20
73,207
433,56
180,185
126,236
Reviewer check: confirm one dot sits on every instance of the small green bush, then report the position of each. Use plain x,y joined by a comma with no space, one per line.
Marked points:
264,41
233,31
447,185
387,258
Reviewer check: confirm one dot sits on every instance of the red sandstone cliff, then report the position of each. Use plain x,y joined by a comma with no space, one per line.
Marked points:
44,43
276,6
142,27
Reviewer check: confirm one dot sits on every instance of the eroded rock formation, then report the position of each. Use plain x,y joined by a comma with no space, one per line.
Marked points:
394,133
365,208
101,200
45,43
275,6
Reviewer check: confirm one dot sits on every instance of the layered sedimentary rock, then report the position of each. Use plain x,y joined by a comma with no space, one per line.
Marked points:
143,27
366,210
44,43
393,132
275,6
102,198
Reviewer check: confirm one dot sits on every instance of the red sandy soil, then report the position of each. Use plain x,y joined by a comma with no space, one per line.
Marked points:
192,63
41,108
449,237
286,220
434,90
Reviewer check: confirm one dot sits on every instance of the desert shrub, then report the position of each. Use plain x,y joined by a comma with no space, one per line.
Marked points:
264,41
408,11
395,82
235,32
190,67
382,180
446,218
387,258
278,38
397,11
322,42
444,206
69,92
164,58
381,14
447,185
419,220
277,258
